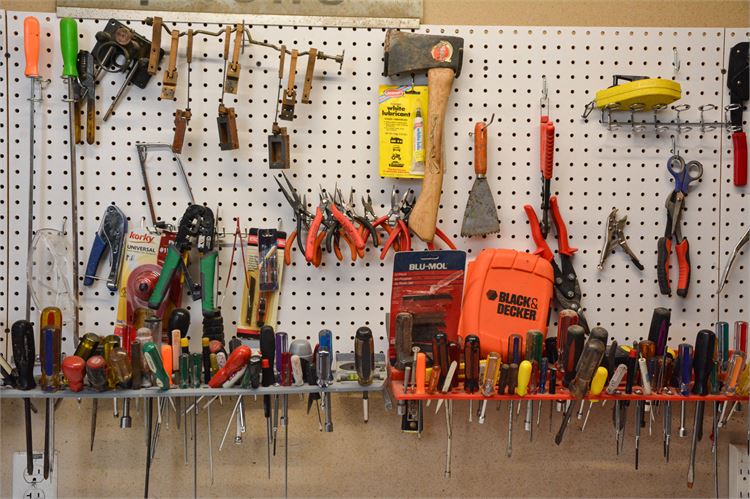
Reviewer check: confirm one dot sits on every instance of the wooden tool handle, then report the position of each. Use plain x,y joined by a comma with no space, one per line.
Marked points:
189,55
227,38
282,57
480,148
292,72
423,217
239,33
173,51
153,57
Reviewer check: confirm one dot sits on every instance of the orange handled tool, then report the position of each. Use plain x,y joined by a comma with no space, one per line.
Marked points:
31,46
546,163
348,227
239,357
562,232
480,148
312,234
420,373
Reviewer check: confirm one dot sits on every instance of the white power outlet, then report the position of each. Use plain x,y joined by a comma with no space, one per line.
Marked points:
33,486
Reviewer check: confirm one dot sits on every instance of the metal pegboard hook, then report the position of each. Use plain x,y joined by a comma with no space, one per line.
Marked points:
492,119
544,100
675,150
704,108
681,127
675,60
62,226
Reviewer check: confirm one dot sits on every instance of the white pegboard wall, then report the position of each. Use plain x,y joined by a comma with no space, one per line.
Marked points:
4,211
334,141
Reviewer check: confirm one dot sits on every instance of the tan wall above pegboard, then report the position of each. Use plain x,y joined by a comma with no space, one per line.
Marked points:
667,13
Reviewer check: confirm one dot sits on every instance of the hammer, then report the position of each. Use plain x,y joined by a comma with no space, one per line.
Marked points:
441,56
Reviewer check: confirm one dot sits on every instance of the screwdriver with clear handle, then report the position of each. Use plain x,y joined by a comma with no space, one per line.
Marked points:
590,358
597,385
734,368
487,389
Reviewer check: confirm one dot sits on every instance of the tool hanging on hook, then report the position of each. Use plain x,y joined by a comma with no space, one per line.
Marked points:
278,141
227,119
169,84
182,116
546,155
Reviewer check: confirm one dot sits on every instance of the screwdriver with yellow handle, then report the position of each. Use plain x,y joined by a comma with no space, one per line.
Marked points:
491,372
597,385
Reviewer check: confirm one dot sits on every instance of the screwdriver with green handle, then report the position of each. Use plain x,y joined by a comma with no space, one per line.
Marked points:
69,48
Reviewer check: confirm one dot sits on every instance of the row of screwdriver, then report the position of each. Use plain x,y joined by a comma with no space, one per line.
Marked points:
165,361
585,366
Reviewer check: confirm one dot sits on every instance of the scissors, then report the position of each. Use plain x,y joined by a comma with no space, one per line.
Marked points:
683,174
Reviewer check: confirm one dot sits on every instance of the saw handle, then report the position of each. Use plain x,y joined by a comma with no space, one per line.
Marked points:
739,141
423,217
480,148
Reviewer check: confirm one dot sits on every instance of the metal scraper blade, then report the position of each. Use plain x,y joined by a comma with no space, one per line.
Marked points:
480,216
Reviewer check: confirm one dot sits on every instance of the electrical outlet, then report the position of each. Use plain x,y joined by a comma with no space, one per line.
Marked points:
33,486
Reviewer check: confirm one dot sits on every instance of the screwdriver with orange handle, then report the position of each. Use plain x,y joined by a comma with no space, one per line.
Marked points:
734,368
31,51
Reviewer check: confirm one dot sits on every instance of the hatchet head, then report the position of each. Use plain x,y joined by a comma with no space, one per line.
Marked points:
409,52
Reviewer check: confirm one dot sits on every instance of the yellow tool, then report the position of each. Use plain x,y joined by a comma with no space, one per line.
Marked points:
638,94
597,385
524,376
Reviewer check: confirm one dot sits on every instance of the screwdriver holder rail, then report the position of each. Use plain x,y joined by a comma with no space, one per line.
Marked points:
204,391
397,389
658,126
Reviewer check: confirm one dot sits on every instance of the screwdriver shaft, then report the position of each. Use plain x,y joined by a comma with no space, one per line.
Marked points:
449,428
195,448
699,408
564,424
509,449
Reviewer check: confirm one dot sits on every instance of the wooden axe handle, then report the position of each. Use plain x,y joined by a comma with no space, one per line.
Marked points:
423,217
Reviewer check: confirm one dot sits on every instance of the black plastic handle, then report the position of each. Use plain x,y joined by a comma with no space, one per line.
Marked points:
703,360
471,363
440,355
267,351
22,333
572,351
179,319
659,330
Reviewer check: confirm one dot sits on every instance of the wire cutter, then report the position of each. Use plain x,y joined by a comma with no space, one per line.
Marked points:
301,215
567,288
684,175
111,234
410,201
365,227
338,225
399,232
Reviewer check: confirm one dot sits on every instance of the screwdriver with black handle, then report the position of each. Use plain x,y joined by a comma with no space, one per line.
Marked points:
685,361
24,351
267,352
96,372
588,362
364,361
705,343
471,367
